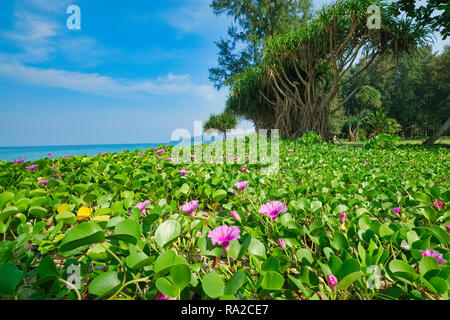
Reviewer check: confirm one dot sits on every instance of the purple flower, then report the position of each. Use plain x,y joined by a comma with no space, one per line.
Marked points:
160,151
332,281
367,164
273,209
434,254
438,205
224,235
291,150
33,167
44,182
50,155
141,206
342,216
170,159
102,153
235,215
140,155
396,210
244,169
183,172
19,161
281,243
242,185
58,176
190,207
448,228
162,296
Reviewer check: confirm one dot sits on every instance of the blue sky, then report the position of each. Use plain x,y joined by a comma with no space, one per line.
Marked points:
135,72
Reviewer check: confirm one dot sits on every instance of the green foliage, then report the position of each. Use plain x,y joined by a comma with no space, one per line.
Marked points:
383,141
309,138
222,122
123,254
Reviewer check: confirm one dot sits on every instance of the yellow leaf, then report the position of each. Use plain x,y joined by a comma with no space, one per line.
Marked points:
63,208
83,213
101,218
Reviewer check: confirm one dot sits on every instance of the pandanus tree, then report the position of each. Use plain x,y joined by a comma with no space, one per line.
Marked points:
300,75
221,122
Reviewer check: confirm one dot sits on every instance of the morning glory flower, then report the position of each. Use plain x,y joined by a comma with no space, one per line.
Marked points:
242,185
44,182
438,205
396,210
448,228
434,254
342,216
190,207
183,172
367,164
332,281
281,243
162,296
273,209
160,151
33,167
244,169
50,155
235,215
141,206
223,235
19,161
291,150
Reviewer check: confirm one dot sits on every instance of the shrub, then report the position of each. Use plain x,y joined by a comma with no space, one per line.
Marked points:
383,141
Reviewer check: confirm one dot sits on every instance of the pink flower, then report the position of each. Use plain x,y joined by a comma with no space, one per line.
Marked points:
190,207
50,155
162,296
183,172
65,157
438,205
192,157
160,151
434,254
332,281
448,228
281,243
396,210
242,185
102,153
33,167
273,209
224,235
170,159
141,206
44,182
235,215
367,164
234,192
246,157
19,161
140,155
244,169
389,162
342,216
58,176
291,150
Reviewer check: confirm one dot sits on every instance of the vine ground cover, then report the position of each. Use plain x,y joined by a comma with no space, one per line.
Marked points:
336,222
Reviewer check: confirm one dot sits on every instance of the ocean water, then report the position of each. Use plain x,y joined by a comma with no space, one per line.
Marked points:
35,153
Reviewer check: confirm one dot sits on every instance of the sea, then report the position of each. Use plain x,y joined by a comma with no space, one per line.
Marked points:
35,153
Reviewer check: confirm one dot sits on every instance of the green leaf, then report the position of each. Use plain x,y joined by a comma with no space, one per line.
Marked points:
168,288
181,275
213,285
47,270
402,271
167,232
10,277
166,260
83,234
271,264
235,282
422,197
257,248
428,267
219,195
127,230
105,283
137,260
305,256
272,281
442,235
316,205
339,241
38,212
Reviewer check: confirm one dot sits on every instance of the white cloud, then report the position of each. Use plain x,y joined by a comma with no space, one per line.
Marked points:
97,84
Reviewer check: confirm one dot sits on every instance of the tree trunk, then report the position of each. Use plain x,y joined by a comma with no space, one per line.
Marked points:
438,133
